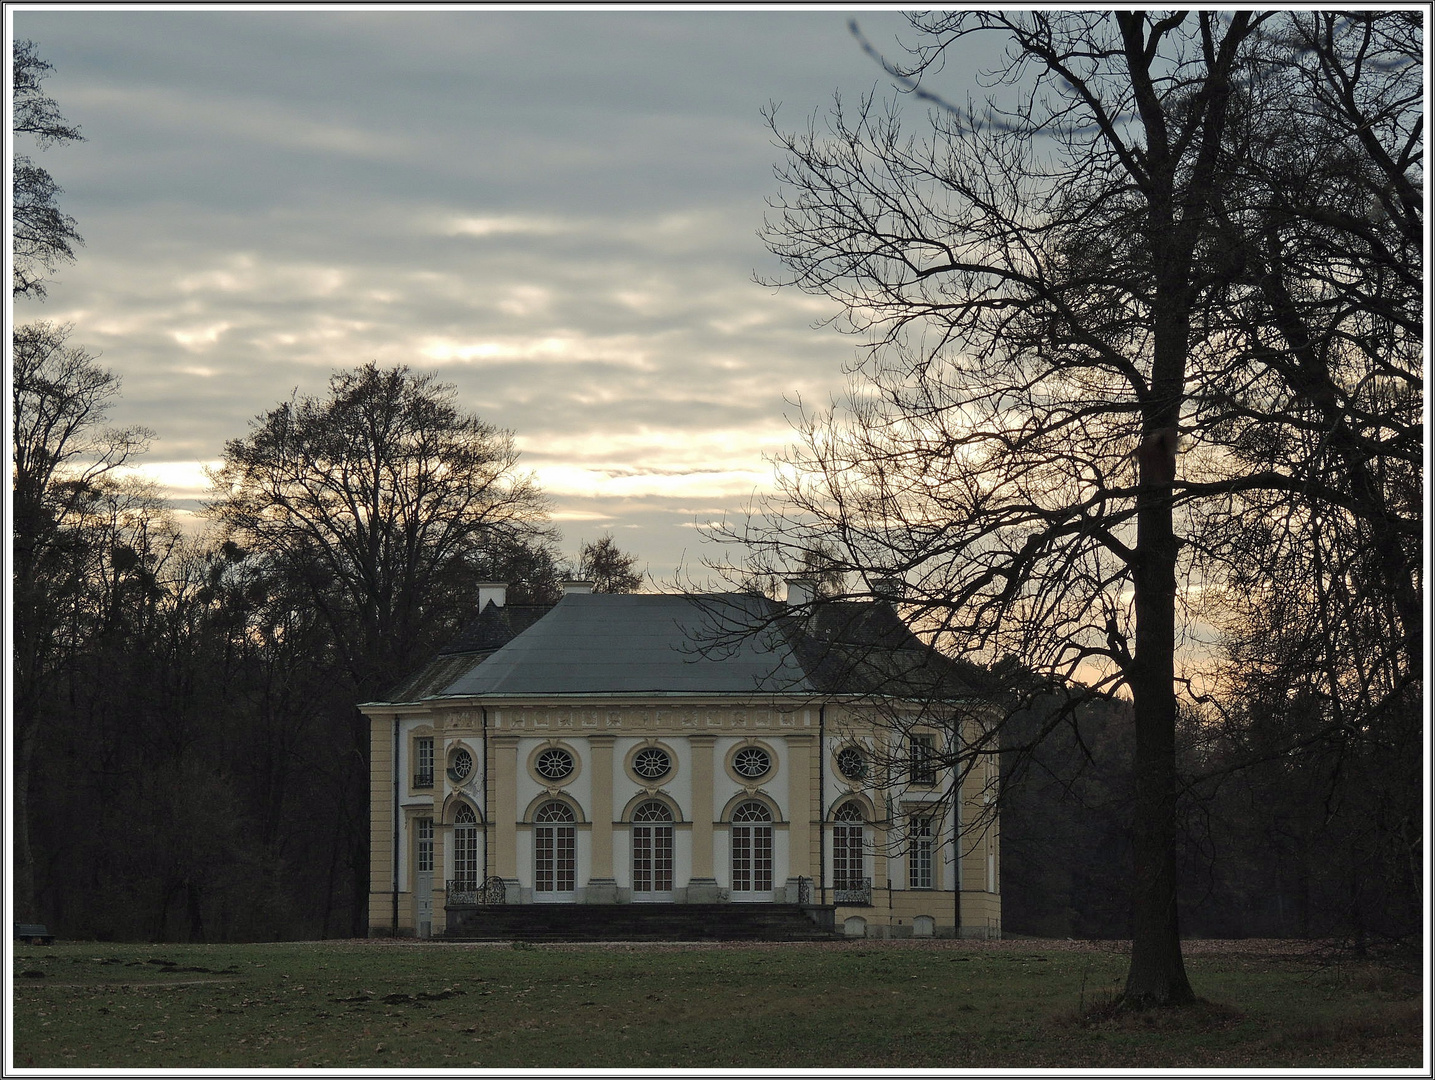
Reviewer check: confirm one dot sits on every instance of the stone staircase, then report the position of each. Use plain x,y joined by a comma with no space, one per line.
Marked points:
641,922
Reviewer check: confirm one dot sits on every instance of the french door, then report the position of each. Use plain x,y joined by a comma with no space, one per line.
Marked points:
751,841
465,849
847,856
555,859
652,853
423,878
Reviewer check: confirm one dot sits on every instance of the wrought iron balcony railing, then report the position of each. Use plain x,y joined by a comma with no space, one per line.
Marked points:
470,892
852,891
423,779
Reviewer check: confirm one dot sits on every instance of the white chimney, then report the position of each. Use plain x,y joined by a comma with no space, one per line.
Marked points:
497,591
800,591
576,588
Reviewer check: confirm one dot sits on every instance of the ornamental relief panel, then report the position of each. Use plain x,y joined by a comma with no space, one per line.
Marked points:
638,718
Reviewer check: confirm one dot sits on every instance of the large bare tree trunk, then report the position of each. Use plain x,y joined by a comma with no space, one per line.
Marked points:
1157,975
26,905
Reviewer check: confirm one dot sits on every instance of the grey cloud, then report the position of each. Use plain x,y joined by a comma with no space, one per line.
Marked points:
268,195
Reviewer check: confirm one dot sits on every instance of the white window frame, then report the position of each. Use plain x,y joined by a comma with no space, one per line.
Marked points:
922,759
465,848
423,846
920,872
423,752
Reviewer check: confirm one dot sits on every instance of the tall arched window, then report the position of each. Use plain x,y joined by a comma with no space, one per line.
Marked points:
751,852
919,854
465,848
847,844
554,852
652,852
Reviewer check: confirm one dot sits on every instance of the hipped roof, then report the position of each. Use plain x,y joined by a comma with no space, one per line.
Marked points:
714,644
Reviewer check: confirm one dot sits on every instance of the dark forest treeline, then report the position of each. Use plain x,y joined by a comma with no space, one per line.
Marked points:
191,761
195,773
188,759
1320,842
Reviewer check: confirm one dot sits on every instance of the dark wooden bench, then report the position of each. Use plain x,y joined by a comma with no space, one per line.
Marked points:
34,933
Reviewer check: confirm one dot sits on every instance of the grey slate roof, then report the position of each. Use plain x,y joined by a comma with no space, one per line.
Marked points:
489,631
724,643
642,644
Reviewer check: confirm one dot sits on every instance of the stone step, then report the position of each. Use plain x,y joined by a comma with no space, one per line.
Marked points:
640,922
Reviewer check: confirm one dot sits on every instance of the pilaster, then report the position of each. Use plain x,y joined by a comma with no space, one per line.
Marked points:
601,886
503,814
381,822
703,886
799,798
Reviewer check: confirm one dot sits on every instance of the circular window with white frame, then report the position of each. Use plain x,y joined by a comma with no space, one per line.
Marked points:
852,763
553,764
751,763
460,765
651,764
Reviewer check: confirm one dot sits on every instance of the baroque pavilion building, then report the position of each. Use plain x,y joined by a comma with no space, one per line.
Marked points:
666,749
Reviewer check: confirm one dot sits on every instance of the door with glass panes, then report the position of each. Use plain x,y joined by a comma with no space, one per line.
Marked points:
751,844
848,855
555,859
652,853
465,850
423,877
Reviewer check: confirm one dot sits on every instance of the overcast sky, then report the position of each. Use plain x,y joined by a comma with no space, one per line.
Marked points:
554,210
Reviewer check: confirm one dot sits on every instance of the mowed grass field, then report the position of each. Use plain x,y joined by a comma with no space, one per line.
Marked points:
859,1005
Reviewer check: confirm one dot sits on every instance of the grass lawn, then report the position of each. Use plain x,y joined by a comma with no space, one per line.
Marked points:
860,1005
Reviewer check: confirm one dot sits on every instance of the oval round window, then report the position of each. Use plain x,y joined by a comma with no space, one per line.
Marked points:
851,763
751,762
652,763
554,763
461,764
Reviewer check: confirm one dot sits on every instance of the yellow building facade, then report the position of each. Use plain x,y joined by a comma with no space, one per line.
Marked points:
612,751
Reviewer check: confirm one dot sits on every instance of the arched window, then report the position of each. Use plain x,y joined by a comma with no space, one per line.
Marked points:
554,852
652,851
465,848
653,811
554,811
752,851
847,844
752,811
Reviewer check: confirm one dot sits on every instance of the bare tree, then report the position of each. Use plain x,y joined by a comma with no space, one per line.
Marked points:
44,237
385,499
1318,585
1323,383
609,567
382,504
64,459
1063,347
